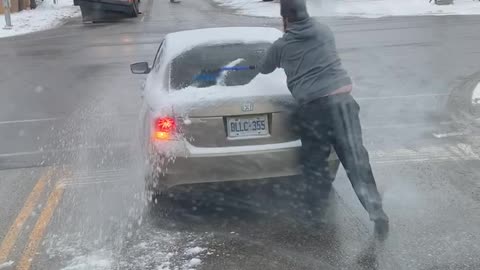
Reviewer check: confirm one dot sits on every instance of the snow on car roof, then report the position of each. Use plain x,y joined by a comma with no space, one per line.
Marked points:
179,42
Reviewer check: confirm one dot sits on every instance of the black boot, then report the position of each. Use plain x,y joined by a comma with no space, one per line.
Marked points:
381,224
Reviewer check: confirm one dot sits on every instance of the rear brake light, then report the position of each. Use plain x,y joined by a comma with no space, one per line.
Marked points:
164,128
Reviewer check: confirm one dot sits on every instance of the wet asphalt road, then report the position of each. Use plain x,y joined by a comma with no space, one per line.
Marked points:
68,155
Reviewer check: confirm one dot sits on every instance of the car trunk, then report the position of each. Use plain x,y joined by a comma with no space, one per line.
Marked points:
241,121
228,102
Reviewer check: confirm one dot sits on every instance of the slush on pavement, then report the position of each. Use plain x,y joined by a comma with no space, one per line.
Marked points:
239,134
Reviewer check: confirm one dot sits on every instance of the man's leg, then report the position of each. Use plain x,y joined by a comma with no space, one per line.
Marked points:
316,146
348,144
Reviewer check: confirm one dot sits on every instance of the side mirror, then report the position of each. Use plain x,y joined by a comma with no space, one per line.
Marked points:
140,68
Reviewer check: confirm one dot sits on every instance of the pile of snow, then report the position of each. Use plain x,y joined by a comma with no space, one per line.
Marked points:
194,250
476,95
6,265
99,260
359,8
47,15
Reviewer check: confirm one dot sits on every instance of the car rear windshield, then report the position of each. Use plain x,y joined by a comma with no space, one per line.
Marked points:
205,66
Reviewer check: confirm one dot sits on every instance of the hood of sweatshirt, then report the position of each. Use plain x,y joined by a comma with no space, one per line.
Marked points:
303,29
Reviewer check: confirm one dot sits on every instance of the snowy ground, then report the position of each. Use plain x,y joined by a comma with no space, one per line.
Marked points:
476,95
47,15
359,8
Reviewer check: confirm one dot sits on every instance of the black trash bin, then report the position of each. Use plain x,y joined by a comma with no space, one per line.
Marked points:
106,10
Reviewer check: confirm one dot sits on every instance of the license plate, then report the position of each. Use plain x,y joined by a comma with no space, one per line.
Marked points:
247,126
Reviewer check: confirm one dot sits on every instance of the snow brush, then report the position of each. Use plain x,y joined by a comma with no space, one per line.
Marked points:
212,74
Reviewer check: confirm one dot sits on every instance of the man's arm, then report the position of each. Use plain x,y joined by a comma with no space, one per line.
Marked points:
271,60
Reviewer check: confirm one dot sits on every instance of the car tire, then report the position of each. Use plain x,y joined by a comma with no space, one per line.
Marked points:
160,200
160,205
460,103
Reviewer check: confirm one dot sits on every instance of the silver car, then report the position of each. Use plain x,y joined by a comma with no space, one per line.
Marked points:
209,116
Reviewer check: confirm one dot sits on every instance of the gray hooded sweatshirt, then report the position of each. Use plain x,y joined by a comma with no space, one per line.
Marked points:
308,54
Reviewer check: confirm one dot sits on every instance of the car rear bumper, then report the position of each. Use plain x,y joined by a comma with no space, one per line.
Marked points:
194,165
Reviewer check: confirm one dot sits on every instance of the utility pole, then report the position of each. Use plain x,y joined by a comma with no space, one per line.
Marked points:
8,20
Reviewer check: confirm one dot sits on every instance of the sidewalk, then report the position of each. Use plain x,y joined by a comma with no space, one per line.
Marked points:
358,8
47,15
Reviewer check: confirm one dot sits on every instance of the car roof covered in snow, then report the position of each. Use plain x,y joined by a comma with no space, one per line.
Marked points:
180,42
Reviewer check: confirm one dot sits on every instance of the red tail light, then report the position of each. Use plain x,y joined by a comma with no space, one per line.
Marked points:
164,128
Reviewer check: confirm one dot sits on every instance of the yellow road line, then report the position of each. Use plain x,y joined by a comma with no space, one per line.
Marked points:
40,228
30,203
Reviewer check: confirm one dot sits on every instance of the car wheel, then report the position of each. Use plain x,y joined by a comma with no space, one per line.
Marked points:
463,104
160,203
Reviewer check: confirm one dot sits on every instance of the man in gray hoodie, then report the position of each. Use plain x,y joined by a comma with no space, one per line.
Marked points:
327,114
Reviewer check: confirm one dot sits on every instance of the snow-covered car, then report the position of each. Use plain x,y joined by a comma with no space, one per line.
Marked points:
209,116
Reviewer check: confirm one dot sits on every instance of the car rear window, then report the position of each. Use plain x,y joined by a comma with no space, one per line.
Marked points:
199,67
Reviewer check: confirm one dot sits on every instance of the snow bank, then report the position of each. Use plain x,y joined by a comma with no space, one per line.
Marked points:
476,95
358,8
47,15
6,265
194,250
194,262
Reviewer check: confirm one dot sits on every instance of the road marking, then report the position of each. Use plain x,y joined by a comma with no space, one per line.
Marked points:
409,125
451,152
40,228
28,121
110,146
93,116
83,184
6,155
32,199
402,97
449,134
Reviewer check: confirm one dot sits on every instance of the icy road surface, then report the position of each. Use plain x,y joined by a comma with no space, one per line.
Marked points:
71,185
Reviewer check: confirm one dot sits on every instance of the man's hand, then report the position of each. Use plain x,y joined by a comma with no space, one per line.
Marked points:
270,61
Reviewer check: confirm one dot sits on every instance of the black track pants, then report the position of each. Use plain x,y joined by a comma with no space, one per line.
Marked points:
328,121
